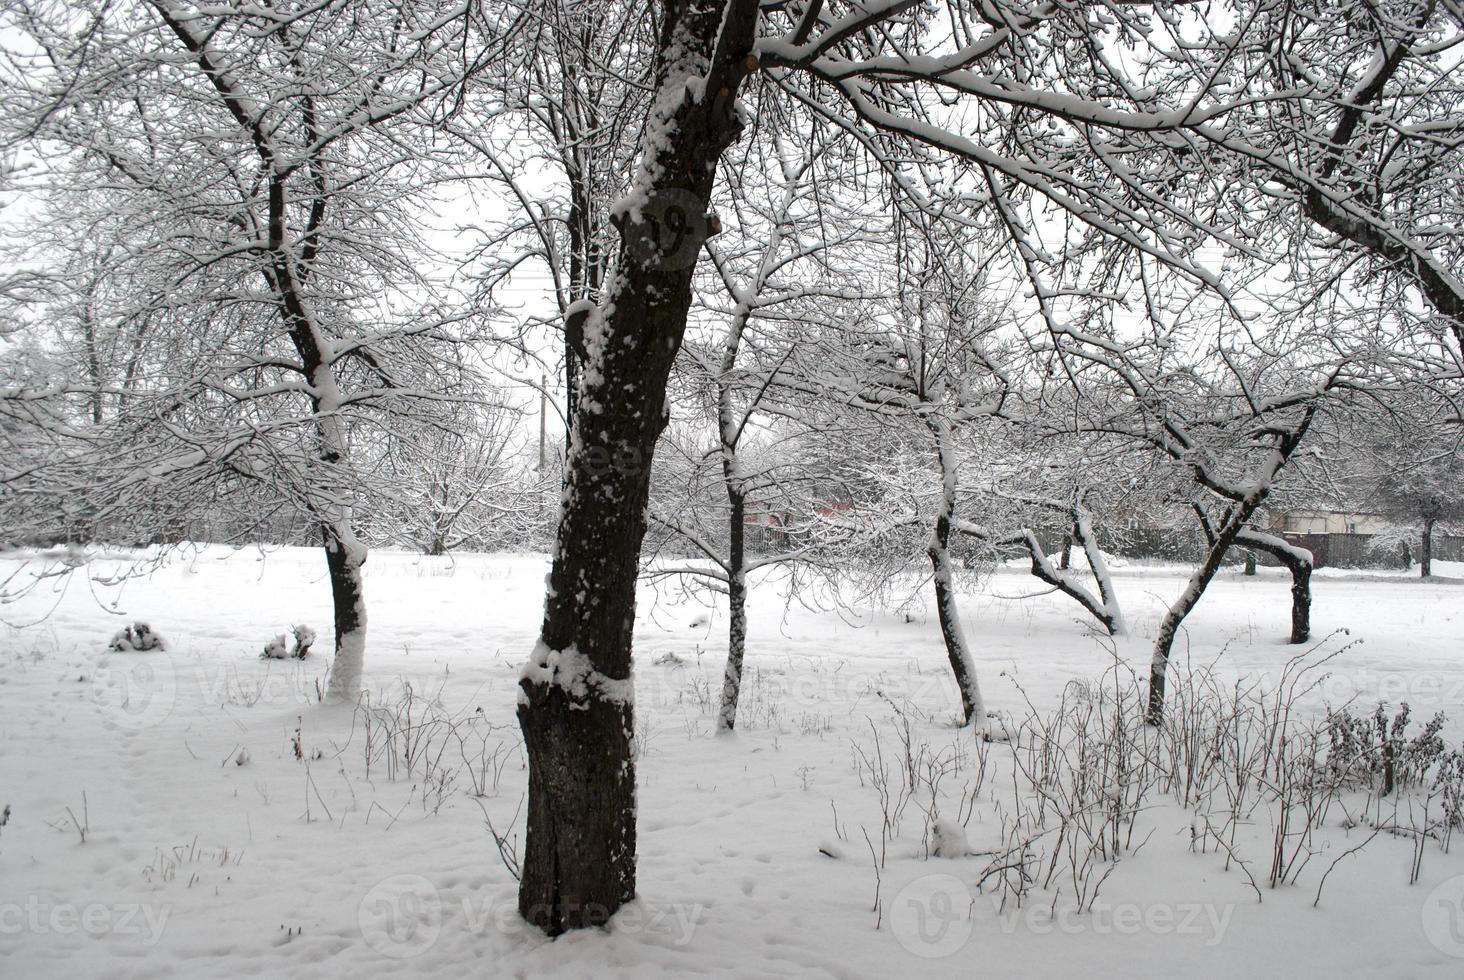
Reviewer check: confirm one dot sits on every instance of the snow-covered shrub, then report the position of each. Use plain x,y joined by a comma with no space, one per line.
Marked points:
1371,751
138,636
304,637
279,648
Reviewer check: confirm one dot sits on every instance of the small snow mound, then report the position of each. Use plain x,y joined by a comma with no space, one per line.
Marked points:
138,636
701,621
994,729
276,649
948,839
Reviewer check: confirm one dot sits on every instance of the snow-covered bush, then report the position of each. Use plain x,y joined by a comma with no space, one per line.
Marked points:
279,647
138,636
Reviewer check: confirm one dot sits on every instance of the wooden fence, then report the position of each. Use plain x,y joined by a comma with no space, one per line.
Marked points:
1328,550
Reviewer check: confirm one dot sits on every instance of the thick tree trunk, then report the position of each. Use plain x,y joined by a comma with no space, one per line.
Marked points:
575,704
1301,602
1298,562
343,561
963,665
579,855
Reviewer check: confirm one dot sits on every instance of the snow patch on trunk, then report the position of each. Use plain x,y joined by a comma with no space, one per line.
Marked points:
345,670
576,675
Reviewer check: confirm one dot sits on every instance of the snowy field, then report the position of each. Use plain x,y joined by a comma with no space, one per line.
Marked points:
195,812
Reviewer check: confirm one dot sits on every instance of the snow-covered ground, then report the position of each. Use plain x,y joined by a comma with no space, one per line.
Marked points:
195,812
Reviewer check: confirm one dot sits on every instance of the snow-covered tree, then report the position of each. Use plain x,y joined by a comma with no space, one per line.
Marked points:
1413,448
1129,138
228,190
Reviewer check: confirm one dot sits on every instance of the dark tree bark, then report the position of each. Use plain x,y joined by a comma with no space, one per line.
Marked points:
729,434
1298,562
1241,507
963,666
579,862
348,600
736,603
1426,548
1300,601
1174,618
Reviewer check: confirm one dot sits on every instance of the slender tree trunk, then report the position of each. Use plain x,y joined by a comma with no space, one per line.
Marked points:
1426,548
92,355
963,665
1241,509
1250,563
736,567
1174,618
575,699
737,618
1104,606
1112,615
730,428
344,552
1220,542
